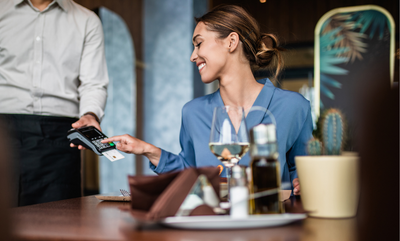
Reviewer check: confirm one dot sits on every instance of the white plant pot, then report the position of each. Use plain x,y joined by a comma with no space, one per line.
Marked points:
329,185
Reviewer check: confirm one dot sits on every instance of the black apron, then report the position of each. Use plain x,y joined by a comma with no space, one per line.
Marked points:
48,169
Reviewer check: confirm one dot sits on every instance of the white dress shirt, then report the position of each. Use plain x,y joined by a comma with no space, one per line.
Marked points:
51,62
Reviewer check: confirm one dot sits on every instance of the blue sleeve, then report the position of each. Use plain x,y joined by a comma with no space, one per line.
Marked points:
299,146
171,162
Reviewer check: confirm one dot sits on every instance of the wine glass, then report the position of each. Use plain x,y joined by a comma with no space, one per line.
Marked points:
229,140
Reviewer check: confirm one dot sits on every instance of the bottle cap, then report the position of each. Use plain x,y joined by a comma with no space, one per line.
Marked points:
263,134
238,172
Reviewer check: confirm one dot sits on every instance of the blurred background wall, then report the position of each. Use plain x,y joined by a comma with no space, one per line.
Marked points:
168,75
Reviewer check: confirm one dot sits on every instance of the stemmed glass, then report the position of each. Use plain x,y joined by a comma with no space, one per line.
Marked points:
229,140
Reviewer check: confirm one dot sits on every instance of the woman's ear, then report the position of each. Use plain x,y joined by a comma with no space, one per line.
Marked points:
233,39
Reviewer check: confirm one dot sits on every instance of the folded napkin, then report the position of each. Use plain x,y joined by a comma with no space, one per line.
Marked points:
157,197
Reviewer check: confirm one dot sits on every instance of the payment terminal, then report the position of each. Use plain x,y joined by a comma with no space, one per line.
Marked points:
90,137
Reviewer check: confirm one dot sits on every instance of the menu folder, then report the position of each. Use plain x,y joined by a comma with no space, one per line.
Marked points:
192,191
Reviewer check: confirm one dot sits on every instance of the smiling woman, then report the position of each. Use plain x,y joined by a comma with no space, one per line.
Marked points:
228,46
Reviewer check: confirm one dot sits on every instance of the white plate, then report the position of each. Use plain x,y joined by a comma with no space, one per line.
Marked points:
226,222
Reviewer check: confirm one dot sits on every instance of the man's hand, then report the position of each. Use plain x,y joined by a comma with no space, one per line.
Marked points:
85,120
296,186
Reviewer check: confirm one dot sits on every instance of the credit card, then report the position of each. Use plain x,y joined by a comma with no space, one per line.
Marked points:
113,155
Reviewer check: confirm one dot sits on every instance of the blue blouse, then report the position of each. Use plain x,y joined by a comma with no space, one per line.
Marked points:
294,128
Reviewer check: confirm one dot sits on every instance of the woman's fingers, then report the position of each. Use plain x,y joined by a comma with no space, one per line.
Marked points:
296,186
123,147
126,143
130,144
111,139
122,138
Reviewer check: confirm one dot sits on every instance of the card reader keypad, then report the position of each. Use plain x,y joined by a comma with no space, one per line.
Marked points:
100,145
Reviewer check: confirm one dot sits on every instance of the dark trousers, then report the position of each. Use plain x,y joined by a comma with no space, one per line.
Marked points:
48,169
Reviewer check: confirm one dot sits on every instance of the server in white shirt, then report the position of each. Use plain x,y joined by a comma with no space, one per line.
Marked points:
53,77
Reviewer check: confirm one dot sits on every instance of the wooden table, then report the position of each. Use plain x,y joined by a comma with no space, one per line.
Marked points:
87,218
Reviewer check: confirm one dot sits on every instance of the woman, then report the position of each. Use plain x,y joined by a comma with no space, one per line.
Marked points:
227,46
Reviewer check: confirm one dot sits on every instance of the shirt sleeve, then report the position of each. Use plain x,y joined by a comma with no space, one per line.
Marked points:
93,73
186,158
299,146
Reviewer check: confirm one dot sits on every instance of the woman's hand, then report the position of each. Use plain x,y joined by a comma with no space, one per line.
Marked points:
130,144
296,186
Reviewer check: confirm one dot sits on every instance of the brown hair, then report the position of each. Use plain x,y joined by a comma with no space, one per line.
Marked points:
261,49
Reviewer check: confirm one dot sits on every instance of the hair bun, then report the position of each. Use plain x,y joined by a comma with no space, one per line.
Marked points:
267,49
270,41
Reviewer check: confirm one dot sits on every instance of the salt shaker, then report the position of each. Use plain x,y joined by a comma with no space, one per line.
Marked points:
239,193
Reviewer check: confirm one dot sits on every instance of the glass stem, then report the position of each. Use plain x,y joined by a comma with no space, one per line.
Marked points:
228,180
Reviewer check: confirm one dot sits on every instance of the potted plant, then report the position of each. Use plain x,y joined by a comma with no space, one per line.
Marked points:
328,176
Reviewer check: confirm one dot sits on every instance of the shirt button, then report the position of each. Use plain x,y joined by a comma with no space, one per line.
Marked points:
38,38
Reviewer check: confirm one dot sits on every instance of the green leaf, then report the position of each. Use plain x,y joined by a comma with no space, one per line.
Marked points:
327,92
330,69
326,80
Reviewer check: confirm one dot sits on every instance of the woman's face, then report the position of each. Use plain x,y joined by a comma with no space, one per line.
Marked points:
209,53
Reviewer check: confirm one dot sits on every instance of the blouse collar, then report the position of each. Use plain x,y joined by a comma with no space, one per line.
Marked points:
263,99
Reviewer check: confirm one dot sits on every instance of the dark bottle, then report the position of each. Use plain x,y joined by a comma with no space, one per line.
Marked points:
265,171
